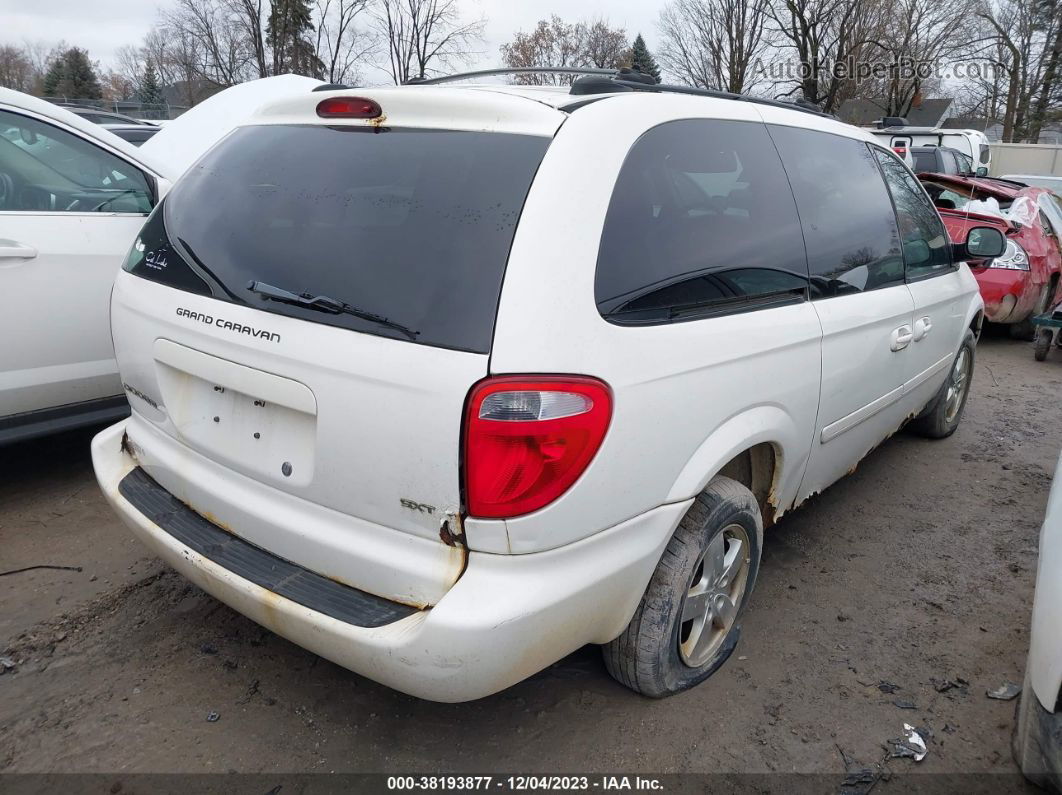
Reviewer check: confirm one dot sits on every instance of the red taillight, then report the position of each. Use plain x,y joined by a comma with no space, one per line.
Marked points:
899,149
348,108
528,439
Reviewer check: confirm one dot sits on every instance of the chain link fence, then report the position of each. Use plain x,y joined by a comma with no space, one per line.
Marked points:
126,107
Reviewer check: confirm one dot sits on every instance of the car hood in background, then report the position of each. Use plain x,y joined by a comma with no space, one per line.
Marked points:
183,140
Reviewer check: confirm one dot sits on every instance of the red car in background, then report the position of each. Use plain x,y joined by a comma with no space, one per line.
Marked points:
1025,281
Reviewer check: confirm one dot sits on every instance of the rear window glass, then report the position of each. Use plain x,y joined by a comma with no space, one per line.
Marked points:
409,225
925,161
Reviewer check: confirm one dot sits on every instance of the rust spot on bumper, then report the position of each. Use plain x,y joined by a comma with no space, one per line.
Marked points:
451,532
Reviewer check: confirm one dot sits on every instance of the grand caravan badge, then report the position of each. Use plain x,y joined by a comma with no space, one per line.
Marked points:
228,325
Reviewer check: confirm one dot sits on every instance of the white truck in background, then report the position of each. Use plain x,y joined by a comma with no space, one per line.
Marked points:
897,134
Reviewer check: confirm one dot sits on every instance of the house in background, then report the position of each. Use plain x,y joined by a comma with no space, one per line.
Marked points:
923,113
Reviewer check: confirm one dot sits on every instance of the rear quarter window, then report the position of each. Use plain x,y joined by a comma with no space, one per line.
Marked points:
413,226
701,222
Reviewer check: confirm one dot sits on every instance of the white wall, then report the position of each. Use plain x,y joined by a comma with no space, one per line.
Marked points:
1043,159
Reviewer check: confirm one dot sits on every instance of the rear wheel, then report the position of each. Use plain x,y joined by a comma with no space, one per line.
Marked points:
686,625
1044,337
943,417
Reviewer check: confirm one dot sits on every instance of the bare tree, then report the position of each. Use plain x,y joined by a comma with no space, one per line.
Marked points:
341,45
829,39
214,40
1050,15
423,35
1025,44
603,46
16,71
554,42
714,43
40,54
920,35
116,86
249,17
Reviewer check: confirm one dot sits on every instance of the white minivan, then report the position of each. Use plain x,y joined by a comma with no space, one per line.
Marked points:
443,383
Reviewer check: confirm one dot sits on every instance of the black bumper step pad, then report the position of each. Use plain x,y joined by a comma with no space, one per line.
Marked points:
253,563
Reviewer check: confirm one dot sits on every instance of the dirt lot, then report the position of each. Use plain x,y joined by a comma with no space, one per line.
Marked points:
916,569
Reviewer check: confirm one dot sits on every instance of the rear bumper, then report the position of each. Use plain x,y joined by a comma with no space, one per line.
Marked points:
1009,295
507,617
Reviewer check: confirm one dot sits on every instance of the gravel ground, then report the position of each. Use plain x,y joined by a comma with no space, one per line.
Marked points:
915,571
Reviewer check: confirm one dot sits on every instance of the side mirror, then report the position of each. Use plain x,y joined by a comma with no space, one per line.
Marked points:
984,242
981,172
29,137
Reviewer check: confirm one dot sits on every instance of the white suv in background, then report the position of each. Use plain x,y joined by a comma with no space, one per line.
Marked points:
72,199
444,383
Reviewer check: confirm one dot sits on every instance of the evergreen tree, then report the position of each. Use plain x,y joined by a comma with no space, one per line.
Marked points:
288,34
53,77
150,92
643,60
71,74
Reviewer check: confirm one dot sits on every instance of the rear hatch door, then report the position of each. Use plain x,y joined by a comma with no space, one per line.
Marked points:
309,308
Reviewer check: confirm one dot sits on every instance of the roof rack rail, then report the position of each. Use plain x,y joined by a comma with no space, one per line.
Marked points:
607,81
516,70
664,88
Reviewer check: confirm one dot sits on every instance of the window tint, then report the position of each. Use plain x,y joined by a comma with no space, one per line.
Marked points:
925,161
44,168
411,225
849,228
925,243
701,222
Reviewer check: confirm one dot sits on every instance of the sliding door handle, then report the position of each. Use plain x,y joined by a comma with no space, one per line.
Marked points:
900,338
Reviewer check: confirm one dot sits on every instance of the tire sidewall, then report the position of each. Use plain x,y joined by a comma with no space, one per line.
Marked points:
970,345
675,673
932,421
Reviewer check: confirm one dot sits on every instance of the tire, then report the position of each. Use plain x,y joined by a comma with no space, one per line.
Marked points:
658,654
1044,338
941,420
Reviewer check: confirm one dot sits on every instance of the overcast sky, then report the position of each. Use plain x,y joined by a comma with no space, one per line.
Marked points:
102,26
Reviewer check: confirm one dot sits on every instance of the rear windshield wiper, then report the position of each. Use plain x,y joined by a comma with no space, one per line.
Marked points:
325,303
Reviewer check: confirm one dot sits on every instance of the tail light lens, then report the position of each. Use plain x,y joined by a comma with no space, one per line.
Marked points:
528,439
348,108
